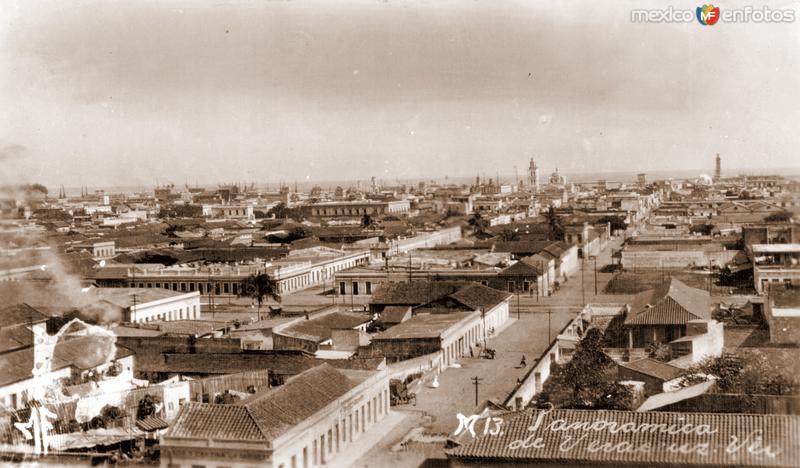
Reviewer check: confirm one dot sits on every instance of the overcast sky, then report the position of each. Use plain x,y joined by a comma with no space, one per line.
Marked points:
102,93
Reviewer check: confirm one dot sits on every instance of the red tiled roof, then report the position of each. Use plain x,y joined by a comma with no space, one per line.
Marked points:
618,438
267,414
300,397
672,303
20,314
211,421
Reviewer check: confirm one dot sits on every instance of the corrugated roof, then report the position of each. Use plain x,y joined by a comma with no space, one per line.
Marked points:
618,438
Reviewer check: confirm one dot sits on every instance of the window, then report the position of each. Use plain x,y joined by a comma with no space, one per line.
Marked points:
368,287
355,288
484,282
305,457
294,461
511,286
342,288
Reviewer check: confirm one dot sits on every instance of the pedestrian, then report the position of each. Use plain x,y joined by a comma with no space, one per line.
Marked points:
471,353
522,362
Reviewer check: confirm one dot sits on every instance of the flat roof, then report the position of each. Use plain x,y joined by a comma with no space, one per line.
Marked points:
423,326
124,297
775,248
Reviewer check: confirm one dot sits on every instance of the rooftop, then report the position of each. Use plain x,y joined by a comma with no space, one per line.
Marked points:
423,326
267,414
640,438
654,368
671,303
320,327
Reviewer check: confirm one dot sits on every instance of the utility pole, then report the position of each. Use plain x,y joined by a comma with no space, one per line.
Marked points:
583,279
595,275
549,327
517,288
476,381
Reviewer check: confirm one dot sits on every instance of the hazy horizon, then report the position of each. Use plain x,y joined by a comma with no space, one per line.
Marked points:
120,94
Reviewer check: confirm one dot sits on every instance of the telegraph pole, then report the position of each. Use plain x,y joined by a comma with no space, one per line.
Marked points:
595,275
476,381
517,288
583,279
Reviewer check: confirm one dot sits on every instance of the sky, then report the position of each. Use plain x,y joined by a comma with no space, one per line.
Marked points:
106,93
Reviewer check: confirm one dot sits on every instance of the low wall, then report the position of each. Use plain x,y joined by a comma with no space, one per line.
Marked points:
422,364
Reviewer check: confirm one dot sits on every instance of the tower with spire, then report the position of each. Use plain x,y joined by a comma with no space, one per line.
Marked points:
533,176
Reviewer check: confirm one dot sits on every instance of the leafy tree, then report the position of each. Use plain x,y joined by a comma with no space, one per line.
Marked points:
617,222
146,407
110,415
659,351
226,398
752,374
507,235
703,229
259,287
367,221
181,211
479,223
556,228
587,380
780,217
282,211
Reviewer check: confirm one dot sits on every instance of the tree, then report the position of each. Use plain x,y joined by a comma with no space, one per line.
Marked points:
507,235
556,228
226,398
780,217
181,211
659,351
282,211
259,287
367,221
703,229
146,407
587,381
617,222
479,223
751,374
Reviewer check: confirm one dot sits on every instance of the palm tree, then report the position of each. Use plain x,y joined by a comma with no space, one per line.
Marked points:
259,287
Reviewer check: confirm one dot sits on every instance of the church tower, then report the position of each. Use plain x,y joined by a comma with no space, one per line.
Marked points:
533,176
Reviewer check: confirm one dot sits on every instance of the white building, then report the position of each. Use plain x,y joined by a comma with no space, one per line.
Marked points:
308,421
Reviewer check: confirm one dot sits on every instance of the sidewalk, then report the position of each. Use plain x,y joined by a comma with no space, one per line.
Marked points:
375,435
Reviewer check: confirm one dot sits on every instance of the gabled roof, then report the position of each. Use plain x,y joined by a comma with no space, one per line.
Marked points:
395,314
527,266
277,410
472,295
671,303
479,297
211,421
319,328
20,314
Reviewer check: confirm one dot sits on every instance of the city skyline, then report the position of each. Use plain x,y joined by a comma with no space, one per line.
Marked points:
116,95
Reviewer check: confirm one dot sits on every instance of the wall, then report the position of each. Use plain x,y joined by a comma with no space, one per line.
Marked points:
421,364
180,307
335,426
534,380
